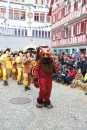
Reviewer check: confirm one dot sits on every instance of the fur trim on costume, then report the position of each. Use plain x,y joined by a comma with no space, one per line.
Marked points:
82,85
47,65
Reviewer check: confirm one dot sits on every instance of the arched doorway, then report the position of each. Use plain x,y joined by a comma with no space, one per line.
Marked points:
29,47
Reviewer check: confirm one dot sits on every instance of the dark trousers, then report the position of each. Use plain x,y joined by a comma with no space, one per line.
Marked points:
68,79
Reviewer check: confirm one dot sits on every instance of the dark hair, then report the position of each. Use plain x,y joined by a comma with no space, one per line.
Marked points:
70,67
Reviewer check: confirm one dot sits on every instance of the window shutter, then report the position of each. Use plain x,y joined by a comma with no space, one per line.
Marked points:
75,29
84,29
82,26
62,33
63,12
69,31
76,5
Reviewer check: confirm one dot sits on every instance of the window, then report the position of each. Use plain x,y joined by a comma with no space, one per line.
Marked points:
8,31
33,33
59,15
48,19
42,2
86,26
39,33
54,37
78,28
66,32
41,17
11,14
36,17
53,18
22,32
45,33
0,31
66,10
15,31
36,33
12,31
42,33
2,12
25,32
36,2
48,33
22,15
16,14
59,35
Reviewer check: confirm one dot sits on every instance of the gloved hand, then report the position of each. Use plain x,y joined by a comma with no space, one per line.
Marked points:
37,84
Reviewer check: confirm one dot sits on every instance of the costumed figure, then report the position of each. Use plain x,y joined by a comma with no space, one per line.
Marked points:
14,66
0,65
26,70
33,62
43,76
19,62
6,65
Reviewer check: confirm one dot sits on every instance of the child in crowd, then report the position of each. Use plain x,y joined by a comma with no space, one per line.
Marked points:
78,77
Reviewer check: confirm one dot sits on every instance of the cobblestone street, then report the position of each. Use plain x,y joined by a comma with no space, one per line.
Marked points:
69,112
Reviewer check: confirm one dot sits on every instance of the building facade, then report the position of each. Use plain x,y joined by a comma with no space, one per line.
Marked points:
69,26
25,18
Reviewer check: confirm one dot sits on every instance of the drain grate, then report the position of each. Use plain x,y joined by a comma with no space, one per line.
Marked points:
20,100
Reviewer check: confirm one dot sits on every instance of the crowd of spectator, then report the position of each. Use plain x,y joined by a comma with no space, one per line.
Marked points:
71,68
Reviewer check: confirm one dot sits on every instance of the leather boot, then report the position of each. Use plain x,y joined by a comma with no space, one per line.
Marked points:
18,83
26,89
39,103
6,83
48,104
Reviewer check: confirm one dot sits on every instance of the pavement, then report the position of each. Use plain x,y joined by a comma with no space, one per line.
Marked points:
69,111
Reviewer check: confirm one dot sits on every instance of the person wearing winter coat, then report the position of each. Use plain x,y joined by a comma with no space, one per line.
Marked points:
70,75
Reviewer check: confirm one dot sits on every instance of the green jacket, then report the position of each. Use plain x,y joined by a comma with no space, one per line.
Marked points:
85,78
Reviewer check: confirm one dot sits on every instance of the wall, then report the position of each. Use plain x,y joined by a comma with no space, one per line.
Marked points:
17,43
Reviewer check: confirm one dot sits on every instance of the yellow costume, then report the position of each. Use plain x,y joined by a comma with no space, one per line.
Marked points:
19,68
6,66
26,72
